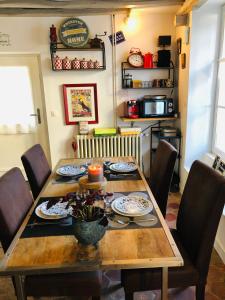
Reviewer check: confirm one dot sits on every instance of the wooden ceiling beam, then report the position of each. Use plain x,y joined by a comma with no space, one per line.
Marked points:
189,5
60,11
72,7
87,3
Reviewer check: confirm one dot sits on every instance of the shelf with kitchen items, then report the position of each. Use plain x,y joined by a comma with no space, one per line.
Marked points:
66,64
129,83
173,136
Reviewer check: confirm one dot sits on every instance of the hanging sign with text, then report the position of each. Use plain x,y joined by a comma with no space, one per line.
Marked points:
119,37
74,33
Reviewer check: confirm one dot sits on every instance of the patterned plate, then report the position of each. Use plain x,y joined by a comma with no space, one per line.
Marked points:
70,170
132,206
123,167
57,211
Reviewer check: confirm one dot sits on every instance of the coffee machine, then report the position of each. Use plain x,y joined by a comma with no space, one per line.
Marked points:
132,109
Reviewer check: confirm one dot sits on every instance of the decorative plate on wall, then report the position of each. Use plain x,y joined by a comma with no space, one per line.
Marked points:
74,33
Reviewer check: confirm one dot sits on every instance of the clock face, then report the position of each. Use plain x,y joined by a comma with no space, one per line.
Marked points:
136,60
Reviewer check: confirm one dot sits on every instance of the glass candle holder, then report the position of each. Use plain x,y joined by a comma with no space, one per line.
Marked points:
95,173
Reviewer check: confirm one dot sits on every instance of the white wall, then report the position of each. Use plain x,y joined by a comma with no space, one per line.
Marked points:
150,24
31,35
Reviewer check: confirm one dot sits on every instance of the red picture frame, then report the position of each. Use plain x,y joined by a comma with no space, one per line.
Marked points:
80,103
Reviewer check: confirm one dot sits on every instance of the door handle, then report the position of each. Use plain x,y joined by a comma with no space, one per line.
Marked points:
38,115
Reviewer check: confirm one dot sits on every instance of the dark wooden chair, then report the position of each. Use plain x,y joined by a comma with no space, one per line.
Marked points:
15,201
162,172
200,210
36,167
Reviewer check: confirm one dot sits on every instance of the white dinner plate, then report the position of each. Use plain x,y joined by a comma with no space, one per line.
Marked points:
132,206
57,211
123,167
70,170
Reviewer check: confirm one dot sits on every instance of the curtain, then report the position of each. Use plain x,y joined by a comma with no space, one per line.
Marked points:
16,101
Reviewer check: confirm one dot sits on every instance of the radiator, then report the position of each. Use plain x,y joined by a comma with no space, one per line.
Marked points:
109,146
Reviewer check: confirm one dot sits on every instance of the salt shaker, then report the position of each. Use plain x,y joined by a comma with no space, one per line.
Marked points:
75,63
66,63
57,63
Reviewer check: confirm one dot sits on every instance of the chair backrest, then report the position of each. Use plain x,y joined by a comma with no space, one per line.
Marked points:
15,201
36,167
161,173
200,210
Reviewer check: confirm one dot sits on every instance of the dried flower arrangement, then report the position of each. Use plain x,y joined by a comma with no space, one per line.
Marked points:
83,204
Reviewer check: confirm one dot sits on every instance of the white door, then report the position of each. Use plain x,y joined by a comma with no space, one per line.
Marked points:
22,110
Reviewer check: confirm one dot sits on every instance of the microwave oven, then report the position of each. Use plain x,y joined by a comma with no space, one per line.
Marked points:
156,106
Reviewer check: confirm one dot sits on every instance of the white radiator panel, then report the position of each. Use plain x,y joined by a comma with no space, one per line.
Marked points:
109,146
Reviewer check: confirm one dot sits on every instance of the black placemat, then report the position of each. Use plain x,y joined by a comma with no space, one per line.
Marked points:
65,226
116,176
47,227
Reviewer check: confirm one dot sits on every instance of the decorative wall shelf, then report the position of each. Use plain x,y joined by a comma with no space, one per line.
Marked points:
56,47
125,66
124,119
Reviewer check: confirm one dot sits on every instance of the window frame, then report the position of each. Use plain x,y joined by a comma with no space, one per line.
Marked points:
221,59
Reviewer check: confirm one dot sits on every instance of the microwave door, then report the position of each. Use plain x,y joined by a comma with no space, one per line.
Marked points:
154,108
160,107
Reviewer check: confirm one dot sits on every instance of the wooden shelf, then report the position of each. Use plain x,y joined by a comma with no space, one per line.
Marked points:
55,47
148,88
124,119
127,66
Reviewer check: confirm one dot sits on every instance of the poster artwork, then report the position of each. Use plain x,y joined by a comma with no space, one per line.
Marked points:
81,102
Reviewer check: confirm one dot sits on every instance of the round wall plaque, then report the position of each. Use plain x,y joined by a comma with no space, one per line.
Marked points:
74,32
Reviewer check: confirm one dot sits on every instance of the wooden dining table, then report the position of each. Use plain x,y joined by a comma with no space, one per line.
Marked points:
139,247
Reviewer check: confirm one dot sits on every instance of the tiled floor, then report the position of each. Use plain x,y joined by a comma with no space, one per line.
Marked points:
111,280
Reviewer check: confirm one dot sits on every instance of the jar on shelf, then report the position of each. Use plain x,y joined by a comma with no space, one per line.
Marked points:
97,64
75,63
128,81
66,63
57,63
91,64
83,64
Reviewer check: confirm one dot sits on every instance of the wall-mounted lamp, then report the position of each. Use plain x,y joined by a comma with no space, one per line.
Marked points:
130,21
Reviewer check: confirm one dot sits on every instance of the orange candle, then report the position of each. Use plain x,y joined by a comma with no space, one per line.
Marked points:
95,173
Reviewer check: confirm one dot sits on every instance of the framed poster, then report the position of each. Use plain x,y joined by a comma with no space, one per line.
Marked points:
80,103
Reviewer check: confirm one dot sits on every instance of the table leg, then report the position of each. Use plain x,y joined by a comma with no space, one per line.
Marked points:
164,292
19,284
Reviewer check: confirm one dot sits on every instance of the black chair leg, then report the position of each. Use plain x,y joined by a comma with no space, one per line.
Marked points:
200,291
128,296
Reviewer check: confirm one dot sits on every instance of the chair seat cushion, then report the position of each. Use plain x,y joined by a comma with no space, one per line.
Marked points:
151,279
70,284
